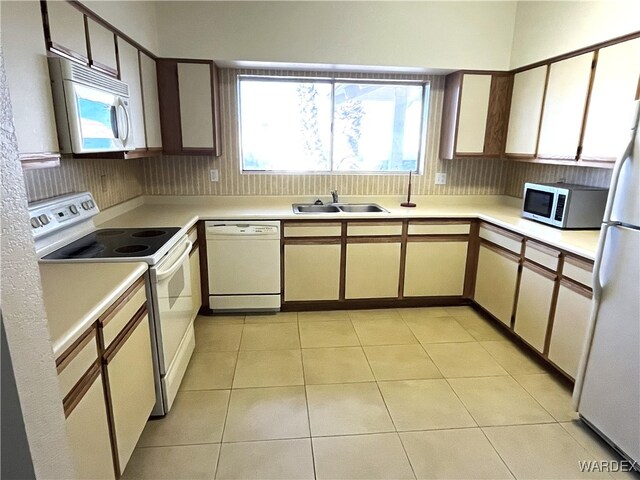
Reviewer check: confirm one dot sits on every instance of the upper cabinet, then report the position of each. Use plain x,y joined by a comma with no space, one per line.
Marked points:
189,106
476,107
66,30
526,109
564,107
130,74
102,48
150,101
615,86
28,78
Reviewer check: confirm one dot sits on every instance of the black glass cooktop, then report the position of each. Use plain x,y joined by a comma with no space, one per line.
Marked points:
116,243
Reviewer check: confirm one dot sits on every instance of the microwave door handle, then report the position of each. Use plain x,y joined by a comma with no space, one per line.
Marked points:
162,274
114,121
127,122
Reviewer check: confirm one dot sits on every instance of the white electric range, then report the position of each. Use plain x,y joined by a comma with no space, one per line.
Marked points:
64,231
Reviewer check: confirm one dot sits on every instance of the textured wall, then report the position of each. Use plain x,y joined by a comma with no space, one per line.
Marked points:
110,181
184,175
23,314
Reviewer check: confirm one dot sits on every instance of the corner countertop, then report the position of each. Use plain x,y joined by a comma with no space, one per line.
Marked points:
185,211
76,294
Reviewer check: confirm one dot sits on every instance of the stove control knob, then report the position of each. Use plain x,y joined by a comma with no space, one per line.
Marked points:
73,209
85,205
44,219
35,223
91,204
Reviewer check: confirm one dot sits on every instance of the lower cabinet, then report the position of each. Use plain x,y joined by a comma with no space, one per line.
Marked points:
311,272
573,310
196,291
435,268
372,270
534,305
496,281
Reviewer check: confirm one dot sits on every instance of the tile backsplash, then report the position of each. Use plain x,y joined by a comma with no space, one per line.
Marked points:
115,181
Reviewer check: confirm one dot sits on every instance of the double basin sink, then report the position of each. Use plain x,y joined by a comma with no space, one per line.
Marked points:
338,208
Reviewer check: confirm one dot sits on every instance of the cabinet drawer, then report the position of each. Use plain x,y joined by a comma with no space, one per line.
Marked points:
500,237
313,230
76,361
373,229
193,235
439,229
115,320
578,270
543,255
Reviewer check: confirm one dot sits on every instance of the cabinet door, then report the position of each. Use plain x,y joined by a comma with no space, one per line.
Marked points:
66,30
28,77
612,100
496,269
564,107
372,270
573,309
311,272
150,101
435,268
472,120
526,108
130,74
103,48
196,111
196,291
132,389
534,304
88,433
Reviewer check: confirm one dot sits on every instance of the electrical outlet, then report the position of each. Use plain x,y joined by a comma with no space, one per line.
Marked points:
213,175
441,178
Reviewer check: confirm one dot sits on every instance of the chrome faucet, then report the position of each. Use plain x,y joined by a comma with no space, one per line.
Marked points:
334,196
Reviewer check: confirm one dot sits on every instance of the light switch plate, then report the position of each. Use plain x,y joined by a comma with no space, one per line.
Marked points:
213,175
441,178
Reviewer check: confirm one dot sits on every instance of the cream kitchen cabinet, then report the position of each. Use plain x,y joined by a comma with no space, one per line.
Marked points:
475,115
312,271
194,268
87,423
496,281
534,305
130,74
103,48
564,108
526,109
28,78
372,270
66,30
573,310
150,101
610,113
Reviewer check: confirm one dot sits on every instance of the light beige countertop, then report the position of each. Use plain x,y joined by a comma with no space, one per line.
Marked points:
164,211
76,294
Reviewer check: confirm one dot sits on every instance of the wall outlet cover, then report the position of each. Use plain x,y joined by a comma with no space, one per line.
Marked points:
213,175
441,178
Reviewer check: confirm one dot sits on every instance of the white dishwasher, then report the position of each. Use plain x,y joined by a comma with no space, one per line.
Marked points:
243,261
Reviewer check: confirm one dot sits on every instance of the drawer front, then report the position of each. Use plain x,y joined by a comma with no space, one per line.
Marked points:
542,255
79,361
578,271
314,230
366,230
508,242
113,324
193,235
443,229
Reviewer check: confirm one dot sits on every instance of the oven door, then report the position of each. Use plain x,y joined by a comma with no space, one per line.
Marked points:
172,304
539,203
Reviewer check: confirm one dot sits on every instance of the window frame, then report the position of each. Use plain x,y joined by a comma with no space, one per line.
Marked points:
332,80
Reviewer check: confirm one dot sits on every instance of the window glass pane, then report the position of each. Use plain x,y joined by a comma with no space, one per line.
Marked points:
377,127
285,125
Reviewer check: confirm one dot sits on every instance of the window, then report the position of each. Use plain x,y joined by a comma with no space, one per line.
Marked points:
331,125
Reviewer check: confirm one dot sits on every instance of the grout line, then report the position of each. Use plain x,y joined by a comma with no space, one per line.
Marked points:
306,400
498,453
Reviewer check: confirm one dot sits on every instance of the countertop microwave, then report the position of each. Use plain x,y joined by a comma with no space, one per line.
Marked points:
564,205
91,109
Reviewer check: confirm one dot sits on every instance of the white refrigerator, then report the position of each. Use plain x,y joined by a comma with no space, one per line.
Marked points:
607,390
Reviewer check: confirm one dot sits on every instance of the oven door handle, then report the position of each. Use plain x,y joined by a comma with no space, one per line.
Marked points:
162,274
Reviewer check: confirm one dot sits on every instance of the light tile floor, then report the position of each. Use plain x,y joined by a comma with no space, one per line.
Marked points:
433,393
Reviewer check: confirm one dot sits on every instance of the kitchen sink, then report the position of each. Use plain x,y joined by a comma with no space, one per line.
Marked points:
312,208
338,208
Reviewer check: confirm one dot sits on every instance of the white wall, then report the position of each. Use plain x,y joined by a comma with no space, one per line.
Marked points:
544,29
135,18
433,34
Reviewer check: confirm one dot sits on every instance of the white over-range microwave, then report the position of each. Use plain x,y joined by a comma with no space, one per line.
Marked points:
91,108
564,205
